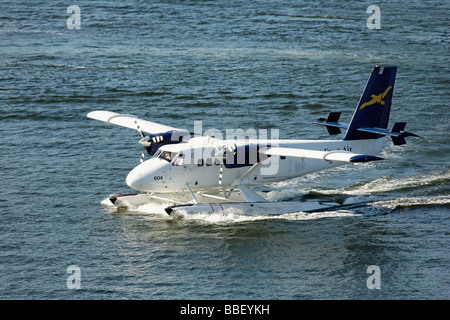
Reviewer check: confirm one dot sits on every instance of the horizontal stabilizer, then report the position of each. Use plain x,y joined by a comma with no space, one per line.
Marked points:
334,155
332,123
397,133
381,131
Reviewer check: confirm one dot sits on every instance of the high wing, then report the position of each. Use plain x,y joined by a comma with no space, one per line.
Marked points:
158,134
334,155
130,121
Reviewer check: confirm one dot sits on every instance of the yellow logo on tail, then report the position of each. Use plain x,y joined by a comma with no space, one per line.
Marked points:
376,98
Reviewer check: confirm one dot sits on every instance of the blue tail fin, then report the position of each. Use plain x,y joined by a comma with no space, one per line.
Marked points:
374,106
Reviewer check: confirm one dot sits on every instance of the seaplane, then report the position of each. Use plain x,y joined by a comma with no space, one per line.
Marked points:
191,172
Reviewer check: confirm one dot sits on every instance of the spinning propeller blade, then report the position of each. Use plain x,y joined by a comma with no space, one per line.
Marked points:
144,141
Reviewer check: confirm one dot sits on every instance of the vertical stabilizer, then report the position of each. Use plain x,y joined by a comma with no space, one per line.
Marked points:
374,106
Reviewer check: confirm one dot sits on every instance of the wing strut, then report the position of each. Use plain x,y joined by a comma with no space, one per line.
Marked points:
192,194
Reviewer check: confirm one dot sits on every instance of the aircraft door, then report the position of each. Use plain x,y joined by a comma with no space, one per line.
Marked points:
179,170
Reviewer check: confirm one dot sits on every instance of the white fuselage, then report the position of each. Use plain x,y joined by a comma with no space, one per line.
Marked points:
201,169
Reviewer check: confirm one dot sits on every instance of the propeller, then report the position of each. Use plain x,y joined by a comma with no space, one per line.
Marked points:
144,141
159,139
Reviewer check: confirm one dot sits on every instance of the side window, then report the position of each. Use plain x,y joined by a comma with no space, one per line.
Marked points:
179,161
166,155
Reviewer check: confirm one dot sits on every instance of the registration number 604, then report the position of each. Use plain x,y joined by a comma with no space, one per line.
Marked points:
158,177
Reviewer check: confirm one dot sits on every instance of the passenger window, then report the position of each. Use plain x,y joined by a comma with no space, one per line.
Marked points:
179,161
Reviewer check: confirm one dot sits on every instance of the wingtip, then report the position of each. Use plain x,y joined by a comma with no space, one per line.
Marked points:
364,158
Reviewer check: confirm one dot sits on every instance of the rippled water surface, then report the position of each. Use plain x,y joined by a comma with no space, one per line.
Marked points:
231,64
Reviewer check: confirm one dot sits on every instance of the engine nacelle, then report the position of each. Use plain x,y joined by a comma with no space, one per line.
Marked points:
155,141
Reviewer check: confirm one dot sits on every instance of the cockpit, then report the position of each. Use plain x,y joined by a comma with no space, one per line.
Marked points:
165,155
177,159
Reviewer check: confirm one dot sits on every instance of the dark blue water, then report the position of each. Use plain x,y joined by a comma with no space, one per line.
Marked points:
231,64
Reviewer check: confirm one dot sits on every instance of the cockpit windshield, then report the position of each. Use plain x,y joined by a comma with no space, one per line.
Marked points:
157,153
165,155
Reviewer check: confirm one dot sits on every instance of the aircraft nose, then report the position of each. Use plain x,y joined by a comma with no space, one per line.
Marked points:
134,179
142,177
